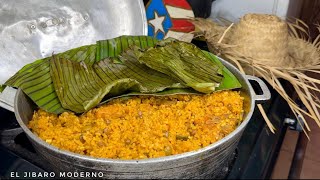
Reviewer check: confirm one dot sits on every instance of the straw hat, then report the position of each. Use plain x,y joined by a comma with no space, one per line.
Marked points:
263,37
268,47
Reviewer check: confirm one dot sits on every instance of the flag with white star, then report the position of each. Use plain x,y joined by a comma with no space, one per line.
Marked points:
169,18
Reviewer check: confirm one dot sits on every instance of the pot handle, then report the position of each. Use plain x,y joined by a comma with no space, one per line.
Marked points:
266,95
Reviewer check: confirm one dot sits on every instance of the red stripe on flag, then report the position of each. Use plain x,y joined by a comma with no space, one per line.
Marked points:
178,3
182,25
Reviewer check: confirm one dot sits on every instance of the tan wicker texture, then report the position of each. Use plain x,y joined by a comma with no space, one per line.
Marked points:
262,37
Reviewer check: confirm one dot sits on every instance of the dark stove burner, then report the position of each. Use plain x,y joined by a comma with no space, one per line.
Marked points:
7,119
11,164
22,140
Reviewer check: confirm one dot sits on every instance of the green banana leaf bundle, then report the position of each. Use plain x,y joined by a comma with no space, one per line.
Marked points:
82,78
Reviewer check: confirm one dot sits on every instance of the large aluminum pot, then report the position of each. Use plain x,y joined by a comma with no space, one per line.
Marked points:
203,163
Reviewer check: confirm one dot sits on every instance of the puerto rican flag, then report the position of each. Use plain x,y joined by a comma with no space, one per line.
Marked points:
169,18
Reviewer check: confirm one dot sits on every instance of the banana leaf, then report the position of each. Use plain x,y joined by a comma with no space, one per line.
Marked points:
186,63
229,80
35,79
82,86
2,87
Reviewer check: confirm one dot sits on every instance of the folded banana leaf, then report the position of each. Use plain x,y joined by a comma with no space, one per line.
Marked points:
229,80
39,80
186,63
82,86
35,80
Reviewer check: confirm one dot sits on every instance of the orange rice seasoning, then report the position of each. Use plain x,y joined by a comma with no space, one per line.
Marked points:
144,126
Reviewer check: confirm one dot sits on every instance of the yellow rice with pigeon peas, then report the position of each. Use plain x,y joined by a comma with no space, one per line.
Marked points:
143,127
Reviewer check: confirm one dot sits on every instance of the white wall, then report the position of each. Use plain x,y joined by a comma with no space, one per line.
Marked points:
232,10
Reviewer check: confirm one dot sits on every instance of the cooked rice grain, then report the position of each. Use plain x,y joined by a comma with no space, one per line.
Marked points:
143,127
